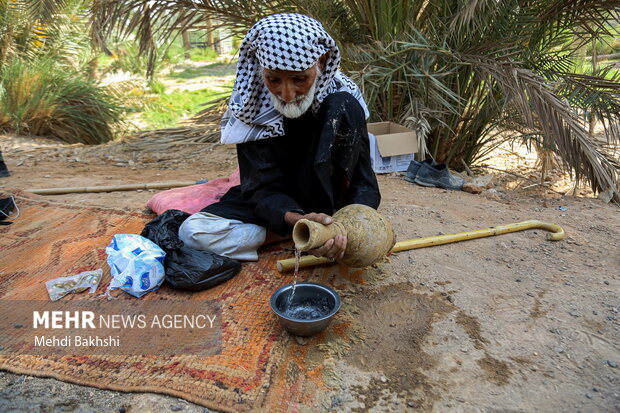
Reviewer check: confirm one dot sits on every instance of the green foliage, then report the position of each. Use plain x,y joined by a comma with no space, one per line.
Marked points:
56,30
104,61
202,54
157,87
236,43
39,99
126,57
167,110
171,54
175,53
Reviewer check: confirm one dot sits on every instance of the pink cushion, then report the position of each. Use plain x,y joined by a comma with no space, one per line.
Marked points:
192,199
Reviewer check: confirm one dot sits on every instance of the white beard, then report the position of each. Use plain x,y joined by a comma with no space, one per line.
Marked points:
299,105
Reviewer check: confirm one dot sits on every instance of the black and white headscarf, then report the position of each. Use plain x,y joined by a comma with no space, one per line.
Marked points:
286,41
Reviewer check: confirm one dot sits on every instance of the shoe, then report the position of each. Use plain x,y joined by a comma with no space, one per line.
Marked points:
439,176
414,167
4,171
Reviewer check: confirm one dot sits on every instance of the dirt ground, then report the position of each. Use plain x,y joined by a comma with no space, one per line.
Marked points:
512,323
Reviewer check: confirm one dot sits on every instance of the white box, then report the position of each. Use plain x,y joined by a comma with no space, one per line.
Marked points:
391,146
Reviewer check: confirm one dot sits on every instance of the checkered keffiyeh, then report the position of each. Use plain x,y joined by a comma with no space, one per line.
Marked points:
286,41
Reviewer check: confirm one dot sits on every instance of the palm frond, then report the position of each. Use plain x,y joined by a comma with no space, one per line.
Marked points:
541,109
43,10
596,95
468,15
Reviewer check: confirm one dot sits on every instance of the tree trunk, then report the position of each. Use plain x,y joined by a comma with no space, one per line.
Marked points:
210,33
594,72
186,44
93,68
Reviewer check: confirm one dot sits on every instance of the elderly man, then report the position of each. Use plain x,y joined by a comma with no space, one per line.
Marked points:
302,144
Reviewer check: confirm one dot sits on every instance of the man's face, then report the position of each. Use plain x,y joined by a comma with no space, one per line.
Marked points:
292,92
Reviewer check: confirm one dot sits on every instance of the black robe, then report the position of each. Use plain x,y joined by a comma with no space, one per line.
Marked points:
321,164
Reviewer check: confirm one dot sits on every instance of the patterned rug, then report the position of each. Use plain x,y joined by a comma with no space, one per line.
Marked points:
260,366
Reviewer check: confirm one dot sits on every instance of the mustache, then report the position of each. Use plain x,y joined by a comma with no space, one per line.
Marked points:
297,99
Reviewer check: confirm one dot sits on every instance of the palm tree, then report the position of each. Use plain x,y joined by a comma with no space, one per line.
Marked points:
459,71
44,85
29,29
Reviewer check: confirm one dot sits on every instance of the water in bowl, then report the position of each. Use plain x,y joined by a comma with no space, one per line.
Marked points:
308,309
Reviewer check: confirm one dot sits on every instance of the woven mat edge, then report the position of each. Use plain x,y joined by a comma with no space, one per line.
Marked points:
122,389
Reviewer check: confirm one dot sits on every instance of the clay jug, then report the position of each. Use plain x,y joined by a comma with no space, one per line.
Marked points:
370,236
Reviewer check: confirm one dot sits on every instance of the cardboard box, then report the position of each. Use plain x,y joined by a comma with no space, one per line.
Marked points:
391,146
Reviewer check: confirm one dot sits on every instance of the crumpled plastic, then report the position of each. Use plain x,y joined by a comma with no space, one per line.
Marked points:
136,264
187,268
59,287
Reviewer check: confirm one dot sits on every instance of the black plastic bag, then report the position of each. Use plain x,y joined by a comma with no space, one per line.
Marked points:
7,205
187,268
193,270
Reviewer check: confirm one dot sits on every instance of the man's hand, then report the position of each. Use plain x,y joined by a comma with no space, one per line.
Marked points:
333,248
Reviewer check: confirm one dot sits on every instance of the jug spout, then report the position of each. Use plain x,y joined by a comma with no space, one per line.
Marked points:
309,235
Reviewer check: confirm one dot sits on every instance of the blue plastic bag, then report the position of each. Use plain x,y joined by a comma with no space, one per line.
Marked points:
136,264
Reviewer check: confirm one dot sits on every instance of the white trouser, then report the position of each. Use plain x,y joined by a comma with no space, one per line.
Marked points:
228,237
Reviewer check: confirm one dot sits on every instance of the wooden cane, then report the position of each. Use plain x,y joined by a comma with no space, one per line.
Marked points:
556,234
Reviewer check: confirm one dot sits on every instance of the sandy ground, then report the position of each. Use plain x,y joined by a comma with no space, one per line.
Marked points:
512,323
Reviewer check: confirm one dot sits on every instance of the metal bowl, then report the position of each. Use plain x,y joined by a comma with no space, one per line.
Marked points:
310,311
